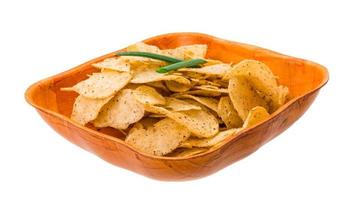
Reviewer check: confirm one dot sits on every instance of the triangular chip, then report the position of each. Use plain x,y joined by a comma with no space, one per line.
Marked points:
218,70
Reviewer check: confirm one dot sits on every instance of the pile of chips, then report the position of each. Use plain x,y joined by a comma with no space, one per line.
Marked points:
180,113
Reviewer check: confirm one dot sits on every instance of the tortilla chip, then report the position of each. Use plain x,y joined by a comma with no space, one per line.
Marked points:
102,85
148,95
210,88
261,78
187,52
116,64
218,70
203,93
175,104
160,139
208,142
85,110
256,115
206,101
177,87
243,96
120,112
228,114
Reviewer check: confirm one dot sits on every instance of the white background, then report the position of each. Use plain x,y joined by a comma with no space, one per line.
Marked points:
313,159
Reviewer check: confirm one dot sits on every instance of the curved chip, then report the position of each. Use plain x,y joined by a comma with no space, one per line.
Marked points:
177,87
218,70
256,115
148,95
117,64
180,105
102,85
159,139
187,51
210,88
201,123
208,142
86,110
243,96
228,114
261,78
204,93
206,101
120,112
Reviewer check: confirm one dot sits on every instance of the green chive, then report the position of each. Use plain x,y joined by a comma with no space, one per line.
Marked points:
149,55
182,64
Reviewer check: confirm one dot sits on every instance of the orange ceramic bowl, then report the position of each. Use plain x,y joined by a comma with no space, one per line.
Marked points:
303,78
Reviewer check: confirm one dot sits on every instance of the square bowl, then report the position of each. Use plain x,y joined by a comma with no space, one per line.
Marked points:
303,78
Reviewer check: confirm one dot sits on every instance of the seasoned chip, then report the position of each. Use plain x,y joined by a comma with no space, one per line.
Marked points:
86,110
204,82
160,139
177,87
141,46
117,64
243,96
218,70
201,123
158,85
147,122
206,101
256,115
186,152
120,112
148,95
261,78
208,142
187,52
102,85
147,74
180,105
210,88
228,114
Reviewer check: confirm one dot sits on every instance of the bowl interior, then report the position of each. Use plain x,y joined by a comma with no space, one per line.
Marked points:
300,76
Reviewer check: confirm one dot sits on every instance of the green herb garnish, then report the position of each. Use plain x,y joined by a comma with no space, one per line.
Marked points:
182,64
149,55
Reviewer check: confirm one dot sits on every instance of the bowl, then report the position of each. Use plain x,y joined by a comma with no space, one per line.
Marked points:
303,78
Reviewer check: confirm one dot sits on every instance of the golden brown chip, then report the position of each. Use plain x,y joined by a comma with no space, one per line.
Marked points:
141,46
148,95
218,70
210,88
212,62
177,87
120,112
175,104
256,115
206,101
186,152
156,116
159,139
201,123
158,85
261,78
86,110
102,85
228,114
243,96
208,142
187,52
115,63
147,122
